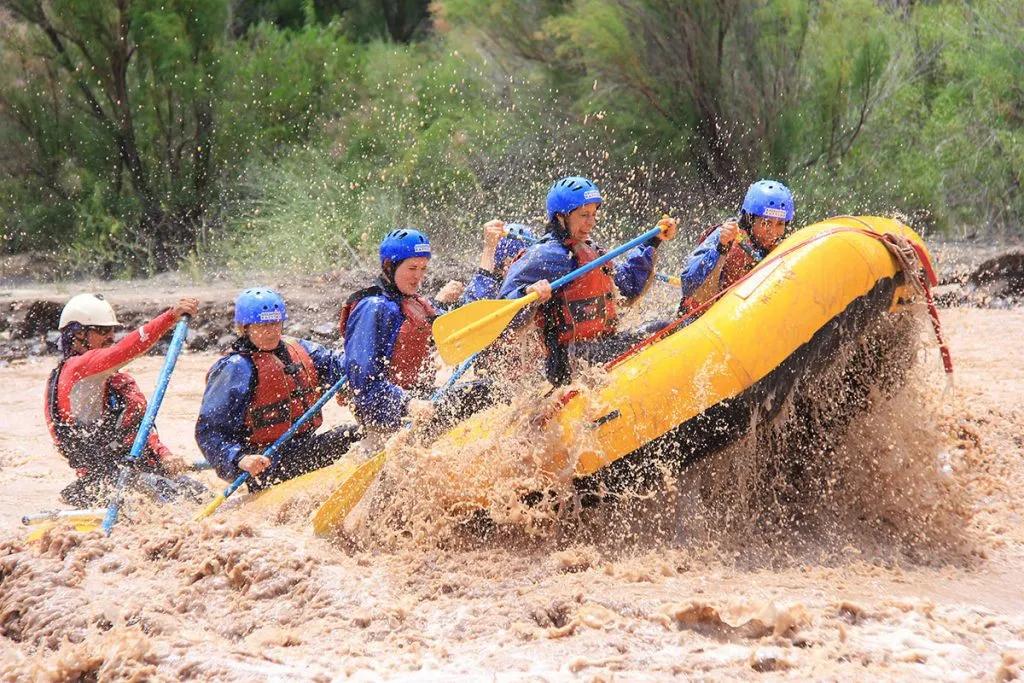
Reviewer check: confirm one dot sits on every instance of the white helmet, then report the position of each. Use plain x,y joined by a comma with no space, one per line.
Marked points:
88,310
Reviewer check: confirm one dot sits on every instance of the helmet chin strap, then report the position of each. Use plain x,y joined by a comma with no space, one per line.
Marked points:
747,225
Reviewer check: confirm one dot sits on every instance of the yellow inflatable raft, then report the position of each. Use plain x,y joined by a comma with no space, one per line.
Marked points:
692,391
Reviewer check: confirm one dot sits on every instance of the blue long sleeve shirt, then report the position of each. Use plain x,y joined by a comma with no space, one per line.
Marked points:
481,286
700,264
549,260
371,332
220,430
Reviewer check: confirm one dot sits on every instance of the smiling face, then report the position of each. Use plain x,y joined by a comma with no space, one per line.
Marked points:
265,336
410,273
767,231
581,221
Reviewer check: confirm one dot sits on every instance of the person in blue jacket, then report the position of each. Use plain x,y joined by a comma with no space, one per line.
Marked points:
580,320
388,345
388,338
256,391
729,251
503,242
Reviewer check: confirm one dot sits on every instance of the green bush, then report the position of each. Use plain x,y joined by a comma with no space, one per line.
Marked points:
229,139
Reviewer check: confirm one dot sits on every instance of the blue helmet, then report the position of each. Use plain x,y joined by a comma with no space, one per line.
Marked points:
770,199
519,237
508,248
403,243
259,305
571,193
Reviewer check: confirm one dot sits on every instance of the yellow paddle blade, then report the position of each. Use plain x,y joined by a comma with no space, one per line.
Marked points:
211,508
317,483
77,523
471,328
321,481
348,494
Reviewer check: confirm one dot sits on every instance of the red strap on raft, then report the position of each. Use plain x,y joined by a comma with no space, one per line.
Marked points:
924,281
927,282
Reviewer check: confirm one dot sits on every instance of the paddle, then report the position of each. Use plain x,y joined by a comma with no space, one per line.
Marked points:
525,233
670,279
272,450
350,491
126,470
89,515
473,327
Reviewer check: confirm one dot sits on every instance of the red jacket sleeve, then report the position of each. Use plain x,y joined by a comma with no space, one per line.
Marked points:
98,361
134,344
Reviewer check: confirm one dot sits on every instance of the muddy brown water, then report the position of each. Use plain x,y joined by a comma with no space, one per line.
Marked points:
669,586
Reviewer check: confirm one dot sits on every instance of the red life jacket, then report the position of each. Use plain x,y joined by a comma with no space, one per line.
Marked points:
100,447
734,264
584,308
412,345
739,260
281,393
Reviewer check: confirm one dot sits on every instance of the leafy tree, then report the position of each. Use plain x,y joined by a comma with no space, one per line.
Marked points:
740,87
118,98
975,131
400,21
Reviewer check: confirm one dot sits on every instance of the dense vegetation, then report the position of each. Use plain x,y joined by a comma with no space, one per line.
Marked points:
138,133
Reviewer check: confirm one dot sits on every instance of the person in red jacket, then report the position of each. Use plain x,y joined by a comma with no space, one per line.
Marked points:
92,409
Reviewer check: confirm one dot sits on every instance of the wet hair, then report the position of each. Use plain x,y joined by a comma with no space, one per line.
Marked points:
388,268
67,339
746,221
557,229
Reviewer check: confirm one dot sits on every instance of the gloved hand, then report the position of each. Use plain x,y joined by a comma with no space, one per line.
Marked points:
728,232
254,463
450,293
669,227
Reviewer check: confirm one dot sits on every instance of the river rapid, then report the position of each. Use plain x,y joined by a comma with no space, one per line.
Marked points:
899,554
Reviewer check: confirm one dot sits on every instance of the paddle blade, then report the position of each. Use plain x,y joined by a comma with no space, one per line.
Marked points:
313,485
471,328
211,508
348,494
80,524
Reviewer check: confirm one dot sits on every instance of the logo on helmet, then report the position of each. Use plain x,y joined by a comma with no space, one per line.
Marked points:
422,248
775,213
592,194
270,317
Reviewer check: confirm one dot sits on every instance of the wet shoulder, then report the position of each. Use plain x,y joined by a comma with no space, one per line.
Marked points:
232,367
376,304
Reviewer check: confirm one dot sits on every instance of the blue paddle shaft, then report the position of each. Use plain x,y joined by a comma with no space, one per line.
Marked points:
281,440
456,374
601,260
177,341
518,231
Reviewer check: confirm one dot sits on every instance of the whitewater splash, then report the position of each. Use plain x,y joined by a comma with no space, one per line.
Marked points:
882,546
